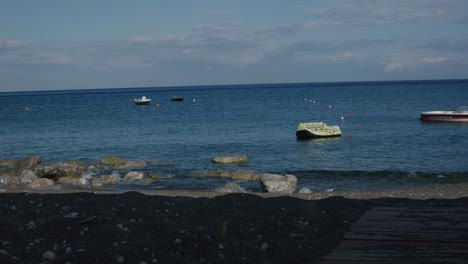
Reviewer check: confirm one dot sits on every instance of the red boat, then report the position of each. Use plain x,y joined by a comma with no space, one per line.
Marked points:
459,115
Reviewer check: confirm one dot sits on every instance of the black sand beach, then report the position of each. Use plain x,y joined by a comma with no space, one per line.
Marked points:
72,226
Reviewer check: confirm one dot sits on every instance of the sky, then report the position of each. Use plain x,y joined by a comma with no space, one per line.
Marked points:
86,44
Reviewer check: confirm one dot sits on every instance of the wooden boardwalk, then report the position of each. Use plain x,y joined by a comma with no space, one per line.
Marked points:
405,235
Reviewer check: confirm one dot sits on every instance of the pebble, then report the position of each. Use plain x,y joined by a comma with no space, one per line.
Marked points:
264,246
119,259
48,255
72,215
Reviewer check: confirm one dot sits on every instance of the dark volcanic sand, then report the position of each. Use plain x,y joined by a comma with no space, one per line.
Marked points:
137,228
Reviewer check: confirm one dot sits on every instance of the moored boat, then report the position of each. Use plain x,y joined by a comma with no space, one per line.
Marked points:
459,115
142,101
317,130
177,98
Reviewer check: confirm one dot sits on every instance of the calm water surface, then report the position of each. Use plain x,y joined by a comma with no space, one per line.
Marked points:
389,147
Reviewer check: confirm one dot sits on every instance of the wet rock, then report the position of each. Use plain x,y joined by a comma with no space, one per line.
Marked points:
27,176
231,159
107,179
231,188
304,190
274,183
96,182
40,183
73,181
159,176
133,176
7,163
48,255
112,160
7,172
59,170
5,179
27,163
243,175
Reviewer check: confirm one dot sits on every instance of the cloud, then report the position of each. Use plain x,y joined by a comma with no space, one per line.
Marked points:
10,43
380,12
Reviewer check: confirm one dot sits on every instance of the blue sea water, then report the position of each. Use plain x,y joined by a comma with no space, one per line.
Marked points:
388,146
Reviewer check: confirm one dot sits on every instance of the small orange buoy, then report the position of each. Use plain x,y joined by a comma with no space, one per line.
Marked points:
348,136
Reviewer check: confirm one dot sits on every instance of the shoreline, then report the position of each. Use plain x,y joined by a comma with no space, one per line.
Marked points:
176,226
435,191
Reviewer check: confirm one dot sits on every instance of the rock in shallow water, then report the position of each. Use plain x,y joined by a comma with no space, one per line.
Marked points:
40,183
274,183
231,159
27,163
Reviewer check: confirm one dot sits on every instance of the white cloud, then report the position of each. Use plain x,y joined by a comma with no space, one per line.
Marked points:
379,12
10,43
432,60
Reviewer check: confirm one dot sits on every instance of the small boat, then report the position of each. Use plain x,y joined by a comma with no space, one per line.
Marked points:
177,98
317,130
459,115
142,101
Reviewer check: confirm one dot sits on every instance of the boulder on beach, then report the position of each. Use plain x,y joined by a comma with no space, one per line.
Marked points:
73,181
27,176
27,163
40,183
106,179
59,170
274,183
304,190
231,159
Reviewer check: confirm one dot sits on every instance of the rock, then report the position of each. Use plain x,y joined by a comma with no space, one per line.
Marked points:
304,190
130,164
162,163
231,188
7,172
232,159
112,160
96,182
49,255
5,179
107,179
243,175
73,180
59,170
7,163
274,183
160,176
40,183
133,176
27,176
27,163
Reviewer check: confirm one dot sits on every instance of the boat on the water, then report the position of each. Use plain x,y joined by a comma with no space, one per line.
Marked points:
317,130
142,101
459,115
177,98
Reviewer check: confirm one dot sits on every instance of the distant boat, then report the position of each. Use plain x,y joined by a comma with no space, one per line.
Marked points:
459,115
177,98
317,130
142,101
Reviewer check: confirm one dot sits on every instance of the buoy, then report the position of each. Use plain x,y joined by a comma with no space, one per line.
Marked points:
348,136
27,109
157,105
342,118
330,106
194,100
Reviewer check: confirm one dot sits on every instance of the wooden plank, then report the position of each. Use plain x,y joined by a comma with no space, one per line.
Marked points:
405,235
446,236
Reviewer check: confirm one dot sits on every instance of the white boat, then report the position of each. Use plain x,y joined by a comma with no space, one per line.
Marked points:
459,115
142,101
317,130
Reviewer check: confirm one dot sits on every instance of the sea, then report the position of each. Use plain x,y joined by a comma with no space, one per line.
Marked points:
384,144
